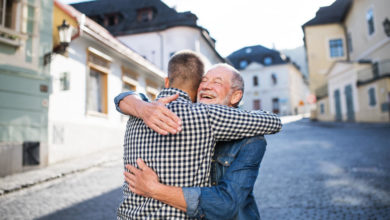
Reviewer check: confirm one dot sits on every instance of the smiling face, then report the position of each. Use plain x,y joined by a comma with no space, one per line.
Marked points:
215,87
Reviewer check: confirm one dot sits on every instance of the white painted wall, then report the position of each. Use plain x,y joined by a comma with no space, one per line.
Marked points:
158,47
73,131
289,89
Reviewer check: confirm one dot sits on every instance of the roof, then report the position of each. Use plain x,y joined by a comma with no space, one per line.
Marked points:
163,16
91,28
334,13
256,54
127,12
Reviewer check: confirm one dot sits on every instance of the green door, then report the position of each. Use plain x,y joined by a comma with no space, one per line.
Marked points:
349,103
337,105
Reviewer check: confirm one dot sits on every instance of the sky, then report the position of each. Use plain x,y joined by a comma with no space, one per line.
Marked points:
235,24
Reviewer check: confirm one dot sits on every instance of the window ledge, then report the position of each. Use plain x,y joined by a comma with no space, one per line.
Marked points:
97,114
10,37
11,42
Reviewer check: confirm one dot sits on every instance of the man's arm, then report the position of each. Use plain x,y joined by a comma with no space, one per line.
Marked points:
232,123
217,202
155,115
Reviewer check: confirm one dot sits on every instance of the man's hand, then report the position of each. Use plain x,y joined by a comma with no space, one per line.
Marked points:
155,115
142,181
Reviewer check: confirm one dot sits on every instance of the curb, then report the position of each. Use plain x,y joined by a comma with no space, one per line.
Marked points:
19,181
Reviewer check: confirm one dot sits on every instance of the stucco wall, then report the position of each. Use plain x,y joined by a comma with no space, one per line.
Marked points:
369,113
317,44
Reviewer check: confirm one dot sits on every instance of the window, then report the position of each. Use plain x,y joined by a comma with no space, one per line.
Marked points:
151,89
243,64
274,79
336,48
375,69
322,108
17,17
371,97
255,81
268,61
256,104
111,19
130,79
8,13
64,81
145,14
248,50
370,21
97,83
275,105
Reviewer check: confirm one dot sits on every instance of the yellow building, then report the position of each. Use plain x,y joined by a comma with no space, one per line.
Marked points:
348,51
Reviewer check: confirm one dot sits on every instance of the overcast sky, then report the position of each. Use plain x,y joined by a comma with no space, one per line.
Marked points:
239,23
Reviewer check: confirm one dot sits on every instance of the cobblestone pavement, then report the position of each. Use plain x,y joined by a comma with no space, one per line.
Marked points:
92,194
326,171
310,171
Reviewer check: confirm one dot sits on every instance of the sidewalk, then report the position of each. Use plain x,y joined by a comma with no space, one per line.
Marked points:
19,181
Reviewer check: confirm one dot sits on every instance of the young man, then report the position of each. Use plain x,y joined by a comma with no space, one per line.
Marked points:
184,159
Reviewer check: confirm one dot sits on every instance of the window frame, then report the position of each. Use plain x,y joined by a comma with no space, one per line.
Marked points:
104,71
14,36
342,47
373,89
372,18
255,81
255,103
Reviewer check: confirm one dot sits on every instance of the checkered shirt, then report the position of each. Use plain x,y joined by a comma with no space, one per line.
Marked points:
184,159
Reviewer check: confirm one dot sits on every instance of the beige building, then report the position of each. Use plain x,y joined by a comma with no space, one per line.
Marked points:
348,51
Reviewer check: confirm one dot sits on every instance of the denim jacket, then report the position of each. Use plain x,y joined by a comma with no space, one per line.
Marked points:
234,170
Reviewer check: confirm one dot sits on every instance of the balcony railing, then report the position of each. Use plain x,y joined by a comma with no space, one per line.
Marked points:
376,71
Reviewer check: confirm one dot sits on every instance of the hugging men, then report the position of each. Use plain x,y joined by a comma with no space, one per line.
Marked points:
182,159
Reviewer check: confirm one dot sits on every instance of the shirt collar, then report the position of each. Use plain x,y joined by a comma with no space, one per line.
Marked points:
172,91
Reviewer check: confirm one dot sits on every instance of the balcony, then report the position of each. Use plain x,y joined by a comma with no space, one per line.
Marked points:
376,71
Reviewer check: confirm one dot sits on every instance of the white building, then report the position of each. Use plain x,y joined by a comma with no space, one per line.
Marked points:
272,82
96,68
152,29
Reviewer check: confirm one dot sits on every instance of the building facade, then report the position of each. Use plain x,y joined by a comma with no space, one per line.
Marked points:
25,36
152,29
348,52
272,81
85,80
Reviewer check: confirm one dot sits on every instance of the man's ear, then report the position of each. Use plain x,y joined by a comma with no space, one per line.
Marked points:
166,83
236,97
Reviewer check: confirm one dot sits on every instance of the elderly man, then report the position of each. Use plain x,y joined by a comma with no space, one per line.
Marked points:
208,123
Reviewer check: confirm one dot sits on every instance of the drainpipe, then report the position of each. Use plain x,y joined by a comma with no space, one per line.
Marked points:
161,50
346,42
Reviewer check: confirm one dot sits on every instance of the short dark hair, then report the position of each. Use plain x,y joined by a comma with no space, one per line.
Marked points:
185,67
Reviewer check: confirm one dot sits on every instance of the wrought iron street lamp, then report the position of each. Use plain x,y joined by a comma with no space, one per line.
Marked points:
65,33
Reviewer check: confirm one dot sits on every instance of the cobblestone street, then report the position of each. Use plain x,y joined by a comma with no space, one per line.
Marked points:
311,170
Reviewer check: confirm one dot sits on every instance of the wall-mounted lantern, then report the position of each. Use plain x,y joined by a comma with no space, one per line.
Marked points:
386,26
65,33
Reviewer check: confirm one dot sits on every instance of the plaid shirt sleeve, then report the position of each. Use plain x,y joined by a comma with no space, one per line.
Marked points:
232,123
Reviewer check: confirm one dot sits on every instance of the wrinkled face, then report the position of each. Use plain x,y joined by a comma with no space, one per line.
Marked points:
215,87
